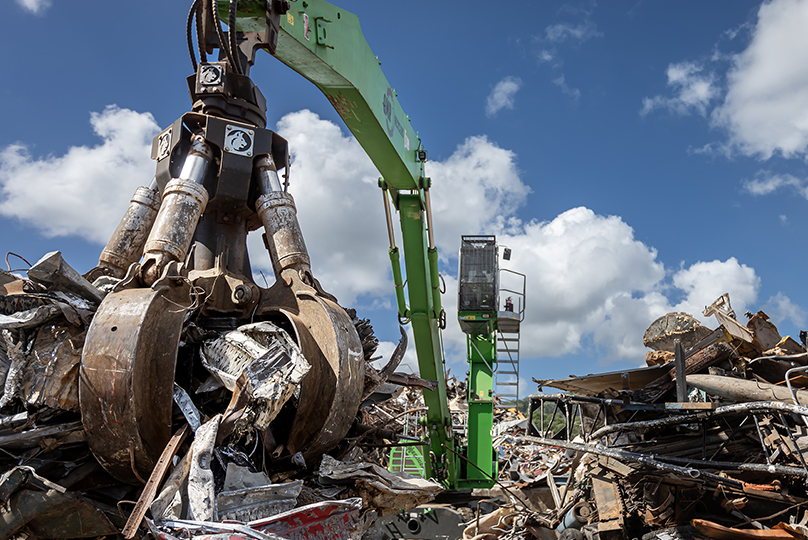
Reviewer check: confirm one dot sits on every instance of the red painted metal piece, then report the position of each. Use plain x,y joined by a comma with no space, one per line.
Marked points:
331,520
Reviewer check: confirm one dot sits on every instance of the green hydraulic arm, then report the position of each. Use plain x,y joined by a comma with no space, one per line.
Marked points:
325,44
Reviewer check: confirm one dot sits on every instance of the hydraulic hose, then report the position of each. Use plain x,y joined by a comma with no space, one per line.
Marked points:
231,33
188,26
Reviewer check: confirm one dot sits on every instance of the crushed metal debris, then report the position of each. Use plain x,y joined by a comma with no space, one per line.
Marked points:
614,456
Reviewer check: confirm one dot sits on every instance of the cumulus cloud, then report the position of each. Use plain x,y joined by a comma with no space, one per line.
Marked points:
703,282
599,286
780,308
492,191
502,96
693,91
561,32
766,107
37,7
53,194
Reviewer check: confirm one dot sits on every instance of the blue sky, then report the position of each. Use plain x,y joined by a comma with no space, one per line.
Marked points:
638,157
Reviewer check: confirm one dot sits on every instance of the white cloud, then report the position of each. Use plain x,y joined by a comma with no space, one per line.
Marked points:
703,282
561,82
766,107
502,96
488,179
591,284
780,308
37,7
600,287
559,33
546,55
85,191
766,183
693,89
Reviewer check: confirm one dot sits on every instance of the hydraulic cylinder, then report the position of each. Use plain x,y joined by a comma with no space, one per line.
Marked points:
184,201
125,246
287,249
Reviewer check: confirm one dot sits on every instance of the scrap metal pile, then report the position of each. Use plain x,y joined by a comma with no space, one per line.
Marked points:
727,460
235,395
618,455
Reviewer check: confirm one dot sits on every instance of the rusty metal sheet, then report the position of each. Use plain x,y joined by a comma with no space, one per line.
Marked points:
329,520
720,532
51,373
127,376
608,501
592,385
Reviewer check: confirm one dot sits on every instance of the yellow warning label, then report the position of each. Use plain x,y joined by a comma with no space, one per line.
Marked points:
290,19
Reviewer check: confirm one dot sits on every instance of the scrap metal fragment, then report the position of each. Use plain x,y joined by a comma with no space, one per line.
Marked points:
171,489
51,373
31,438
47,510
147,496
720,532
201,495
18,358
33,317
406,379
258,502
275,369
380,488
608,501
54,273
189,410
328,520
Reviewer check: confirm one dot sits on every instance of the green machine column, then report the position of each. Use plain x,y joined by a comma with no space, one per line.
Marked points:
481,355
478,300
